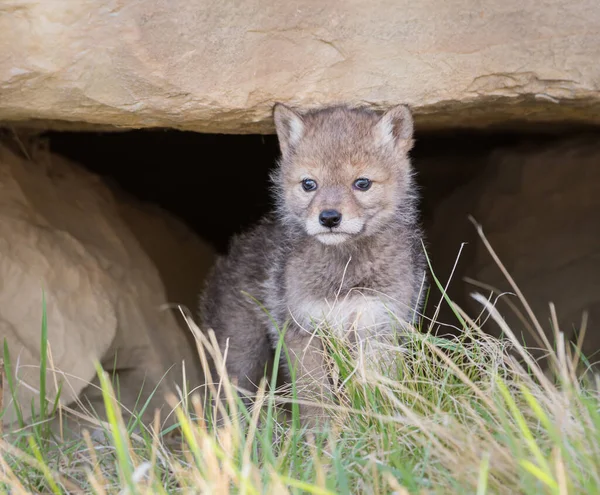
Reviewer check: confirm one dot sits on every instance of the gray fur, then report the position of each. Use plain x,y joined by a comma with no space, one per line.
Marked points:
290,271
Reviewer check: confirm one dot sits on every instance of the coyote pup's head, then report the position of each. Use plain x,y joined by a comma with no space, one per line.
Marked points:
343,172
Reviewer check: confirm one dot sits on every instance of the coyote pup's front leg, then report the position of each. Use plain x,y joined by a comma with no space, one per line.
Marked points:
313,389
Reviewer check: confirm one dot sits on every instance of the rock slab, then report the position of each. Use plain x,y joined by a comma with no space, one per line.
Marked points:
98,259
539,207
217,66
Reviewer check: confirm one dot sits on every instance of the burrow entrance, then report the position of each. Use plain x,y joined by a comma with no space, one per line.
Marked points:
219,184
534,190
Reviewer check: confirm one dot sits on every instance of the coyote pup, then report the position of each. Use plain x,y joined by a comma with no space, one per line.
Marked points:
344,248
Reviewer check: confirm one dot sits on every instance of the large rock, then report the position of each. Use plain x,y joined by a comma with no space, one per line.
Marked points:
99,262
539,206
218,66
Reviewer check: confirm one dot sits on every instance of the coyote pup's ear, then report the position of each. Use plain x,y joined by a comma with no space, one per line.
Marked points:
289,126
396,128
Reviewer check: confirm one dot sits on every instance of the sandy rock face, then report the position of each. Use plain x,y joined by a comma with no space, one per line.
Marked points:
539,208
219,66
98,261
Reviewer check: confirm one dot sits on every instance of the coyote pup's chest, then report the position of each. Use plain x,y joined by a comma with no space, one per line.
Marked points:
365,315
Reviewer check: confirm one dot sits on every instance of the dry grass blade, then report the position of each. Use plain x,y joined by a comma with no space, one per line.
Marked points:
36,464
513,284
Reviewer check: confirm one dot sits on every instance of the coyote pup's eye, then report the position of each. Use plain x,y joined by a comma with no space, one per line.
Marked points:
309,185
362,184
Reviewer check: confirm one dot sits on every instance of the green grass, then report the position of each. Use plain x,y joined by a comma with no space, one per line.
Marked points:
457,415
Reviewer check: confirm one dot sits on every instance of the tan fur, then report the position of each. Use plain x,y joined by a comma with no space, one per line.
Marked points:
350,276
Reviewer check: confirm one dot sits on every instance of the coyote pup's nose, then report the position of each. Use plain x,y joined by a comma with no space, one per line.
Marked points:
330,218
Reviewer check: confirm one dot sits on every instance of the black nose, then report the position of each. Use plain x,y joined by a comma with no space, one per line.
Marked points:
330,218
